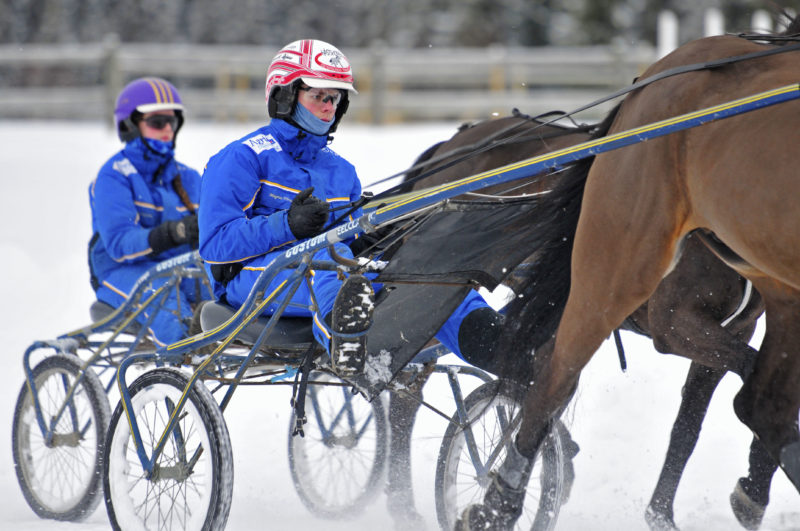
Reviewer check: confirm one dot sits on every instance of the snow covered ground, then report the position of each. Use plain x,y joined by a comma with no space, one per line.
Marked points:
622,421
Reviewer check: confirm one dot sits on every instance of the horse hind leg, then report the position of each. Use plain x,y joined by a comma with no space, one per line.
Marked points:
769,400
701,381
750,497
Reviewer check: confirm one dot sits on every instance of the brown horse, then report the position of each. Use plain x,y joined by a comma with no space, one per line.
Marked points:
731,182
683,317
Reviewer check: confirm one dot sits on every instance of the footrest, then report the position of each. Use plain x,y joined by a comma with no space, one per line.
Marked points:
288,332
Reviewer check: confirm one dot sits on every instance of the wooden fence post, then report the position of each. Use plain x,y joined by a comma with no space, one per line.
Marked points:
713,22
112,76
761,21
667,33
377,93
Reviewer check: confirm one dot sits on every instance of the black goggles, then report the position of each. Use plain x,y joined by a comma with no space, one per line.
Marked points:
160,121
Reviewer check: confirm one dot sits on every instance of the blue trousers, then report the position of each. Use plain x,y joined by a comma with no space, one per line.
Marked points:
326,286
169,325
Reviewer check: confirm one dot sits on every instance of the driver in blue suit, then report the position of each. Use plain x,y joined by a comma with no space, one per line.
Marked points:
144,205
278,185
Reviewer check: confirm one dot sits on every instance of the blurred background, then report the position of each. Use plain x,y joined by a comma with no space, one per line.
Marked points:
414,60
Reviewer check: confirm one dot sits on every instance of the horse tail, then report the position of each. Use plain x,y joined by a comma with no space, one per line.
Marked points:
532,317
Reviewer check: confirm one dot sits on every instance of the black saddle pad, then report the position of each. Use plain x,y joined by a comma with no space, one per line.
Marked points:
288,332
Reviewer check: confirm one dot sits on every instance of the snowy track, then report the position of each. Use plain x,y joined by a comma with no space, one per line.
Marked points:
621,421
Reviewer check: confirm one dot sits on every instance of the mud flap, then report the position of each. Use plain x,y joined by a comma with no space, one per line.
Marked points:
406,317
790,462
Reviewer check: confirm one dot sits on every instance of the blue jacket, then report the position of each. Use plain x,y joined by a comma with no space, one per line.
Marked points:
248,186
133,193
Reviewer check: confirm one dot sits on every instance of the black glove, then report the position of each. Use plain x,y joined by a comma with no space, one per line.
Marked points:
307,215
375,243
173,233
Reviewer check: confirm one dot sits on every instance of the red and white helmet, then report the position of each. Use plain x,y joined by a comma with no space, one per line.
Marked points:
315,63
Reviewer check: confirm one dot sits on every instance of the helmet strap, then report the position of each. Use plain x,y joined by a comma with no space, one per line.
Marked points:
129,129
282,100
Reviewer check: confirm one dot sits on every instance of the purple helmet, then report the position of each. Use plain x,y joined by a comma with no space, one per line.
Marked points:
143,95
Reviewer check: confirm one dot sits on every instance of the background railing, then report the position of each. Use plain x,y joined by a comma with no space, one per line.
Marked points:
226,83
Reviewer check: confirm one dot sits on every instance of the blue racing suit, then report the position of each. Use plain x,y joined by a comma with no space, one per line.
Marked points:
133,193
247,189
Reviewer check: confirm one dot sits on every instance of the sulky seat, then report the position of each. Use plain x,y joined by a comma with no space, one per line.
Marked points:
288,332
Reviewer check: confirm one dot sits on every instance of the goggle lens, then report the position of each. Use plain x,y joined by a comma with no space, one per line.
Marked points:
160,121
321,96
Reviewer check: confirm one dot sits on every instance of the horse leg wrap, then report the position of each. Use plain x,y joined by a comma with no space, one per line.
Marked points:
516,468
504,498
501,507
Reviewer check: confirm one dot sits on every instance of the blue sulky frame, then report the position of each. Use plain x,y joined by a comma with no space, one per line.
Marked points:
299,256
116,323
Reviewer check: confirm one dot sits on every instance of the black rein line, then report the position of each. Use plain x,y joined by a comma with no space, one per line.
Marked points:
491,142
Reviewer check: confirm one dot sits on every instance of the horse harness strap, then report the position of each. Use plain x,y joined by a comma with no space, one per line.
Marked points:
746,296
491,142
707,65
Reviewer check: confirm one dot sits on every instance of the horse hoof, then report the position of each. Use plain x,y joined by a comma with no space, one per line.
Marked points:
747,511
790,462
479,518
502,506
658,521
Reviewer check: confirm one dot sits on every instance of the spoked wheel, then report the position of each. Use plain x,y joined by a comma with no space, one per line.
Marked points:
466,458
59,469
191,485
337,467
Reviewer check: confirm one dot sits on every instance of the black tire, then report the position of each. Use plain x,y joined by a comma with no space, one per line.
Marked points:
491,407
337,467
61,480
196,465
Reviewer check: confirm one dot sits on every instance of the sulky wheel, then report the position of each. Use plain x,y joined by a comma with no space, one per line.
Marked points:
461,481
191,485
337,466
59,467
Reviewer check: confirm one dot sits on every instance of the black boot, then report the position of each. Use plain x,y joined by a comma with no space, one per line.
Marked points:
350,319
477,336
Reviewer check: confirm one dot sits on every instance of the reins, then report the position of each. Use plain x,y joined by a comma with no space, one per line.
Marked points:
467,152
490,143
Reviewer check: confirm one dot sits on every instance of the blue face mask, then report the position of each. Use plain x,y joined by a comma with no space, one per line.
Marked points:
161,147
307,121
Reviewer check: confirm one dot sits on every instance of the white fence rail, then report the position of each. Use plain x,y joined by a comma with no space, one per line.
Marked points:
226,82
